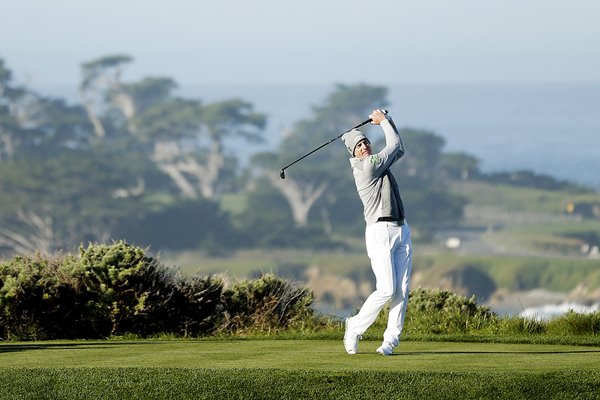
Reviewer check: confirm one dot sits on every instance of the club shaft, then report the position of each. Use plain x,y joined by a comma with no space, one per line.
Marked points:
325,144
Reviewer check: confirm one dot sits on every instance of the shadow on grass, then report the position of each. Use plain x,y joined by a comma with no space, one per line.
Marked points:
13,348
422,353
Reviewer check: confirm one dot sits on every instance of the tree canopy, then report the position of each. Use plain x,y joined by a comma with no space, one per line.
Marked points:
135,160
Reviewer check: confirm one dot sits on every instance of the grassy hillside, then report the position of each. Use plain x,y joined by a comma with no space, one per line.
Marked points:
515,198
532,221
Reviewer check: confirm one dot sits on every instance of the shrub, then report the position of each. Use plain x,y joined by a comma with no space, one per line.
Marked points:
129,291
105,290
267,304
118,290
26,294
202,308
434,311
39,299
573,323
519,326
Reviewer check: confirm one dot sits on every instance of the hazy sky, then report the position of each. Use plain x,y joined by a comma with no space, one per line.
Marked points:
308,41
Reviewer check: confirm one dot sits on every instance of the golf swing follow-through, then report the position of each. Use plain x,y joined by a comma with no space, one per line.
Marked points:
282,172
387,234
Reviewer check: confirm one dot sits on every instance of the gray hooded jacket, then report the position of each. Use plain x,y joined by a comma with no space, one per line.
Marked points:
375,183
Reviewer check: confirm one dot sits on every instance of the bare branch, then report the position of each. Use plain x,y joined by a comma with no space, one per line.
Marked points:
172,160
40,238
300,197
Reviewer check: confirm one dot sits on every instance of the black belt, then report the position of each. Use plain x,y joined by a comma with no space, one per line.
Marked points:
400,221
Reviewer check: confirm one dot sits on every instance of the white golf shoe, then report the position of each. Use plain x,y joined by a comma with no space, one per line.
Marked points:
387,347
351,340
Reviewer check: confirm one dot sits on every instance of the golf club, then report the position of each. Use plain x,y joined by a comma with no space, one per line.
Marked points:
282,172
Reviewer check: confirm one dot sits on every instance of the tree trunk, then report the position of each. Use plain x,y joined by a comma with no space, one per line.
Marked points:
300,197
7,148
98,128
207,175
187,189
125,103
165,156
40,239
327,227
170,159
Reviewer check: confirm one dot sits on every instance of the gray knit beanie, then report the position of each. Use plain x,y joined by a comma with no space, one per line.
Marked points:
352,138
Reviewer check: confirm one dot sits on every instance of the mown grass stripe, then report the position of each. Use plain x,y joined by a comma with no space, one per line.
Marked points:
300,354
185,383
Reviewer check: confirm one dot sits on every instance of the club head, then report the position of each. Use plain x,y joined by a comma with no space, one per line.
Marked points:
282,174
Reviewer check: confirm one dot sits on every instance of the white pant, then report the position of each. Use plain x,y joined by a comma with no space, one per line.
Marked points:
390,250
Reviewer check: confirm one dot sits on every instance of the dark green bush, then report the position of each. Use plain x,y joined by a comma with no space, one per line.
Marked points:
267,304
117,289
36,300
434,311
202,308
128,291
105,290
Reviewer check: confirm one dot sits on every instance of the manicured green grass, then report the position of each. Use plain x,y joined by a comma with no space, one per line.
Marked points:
300,354
280,369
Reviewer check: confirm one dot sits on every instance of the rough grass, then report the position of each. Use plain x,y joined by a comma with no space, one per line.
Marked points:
294,369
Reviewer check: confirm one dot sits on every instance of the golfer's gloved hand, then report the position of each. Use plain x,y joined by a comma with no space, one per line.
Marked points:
377,116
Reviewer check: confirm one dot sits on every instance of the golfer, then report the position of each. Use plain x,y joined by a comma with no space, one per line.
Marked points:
387,234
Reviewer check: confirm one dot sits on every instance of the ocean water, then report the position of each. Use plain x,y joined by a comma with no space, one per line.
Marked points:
551,129
549,311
